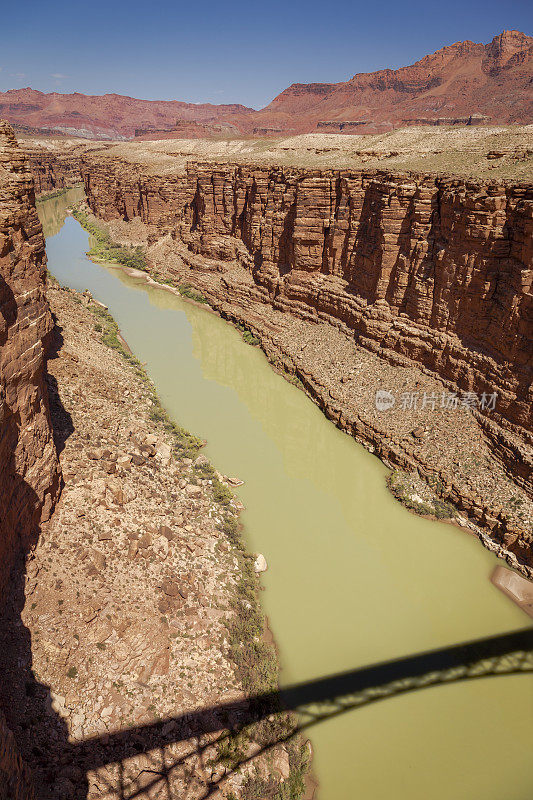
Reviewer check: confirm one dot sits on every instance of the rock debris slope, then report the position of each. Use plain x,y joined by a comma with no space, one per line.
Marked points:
130,594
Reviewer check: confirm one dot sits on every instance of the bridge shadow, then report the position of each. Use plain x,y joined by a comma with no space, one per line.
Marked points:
169,746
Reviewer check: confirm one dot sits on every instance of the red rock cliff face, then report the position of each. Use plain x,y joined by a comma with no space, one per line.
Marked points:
29,472
435,269
53,168
51,173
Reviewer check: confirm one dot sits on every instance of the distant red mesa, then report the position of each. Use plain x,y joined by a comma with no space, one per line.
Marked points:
465,83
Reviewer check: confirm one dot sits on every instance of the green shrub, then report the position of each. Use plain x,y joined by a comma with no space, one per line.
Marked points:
189,291
435,508
247,335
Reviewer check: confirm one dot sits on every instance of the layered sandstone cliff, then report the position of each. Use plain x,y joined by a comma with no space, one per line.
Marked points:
55,164
437,270
29,470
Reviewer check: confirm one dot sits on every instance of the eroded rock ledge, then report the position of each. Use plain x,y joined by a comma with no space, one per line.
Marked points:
426,272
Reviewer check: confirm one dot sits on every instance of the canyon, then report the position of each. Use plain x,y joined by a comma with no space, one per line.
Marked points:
266,411
463,83
426,273
358,272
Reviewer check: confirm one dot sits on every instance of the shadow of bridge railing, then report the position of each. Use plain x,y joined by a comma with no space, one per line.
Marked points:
166,745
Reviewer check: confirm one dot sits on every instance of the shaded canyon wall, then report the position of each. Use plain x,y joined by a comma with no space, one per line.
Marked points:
29,469
53,169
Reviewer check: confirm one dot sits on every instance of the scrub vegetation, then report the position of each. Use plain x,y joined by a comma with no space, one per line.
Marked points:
398,483
248,336
105,249
189,291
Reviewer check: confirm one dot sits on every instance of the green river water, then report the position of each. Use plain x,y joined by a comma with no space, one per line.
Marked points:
353,577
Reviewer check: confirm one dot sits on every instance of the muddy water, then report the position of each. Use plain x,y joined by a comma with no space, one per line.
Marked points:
353,577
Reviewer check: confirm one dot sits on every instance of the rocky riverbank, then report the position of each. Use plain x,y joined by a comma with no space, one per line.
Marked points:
140,601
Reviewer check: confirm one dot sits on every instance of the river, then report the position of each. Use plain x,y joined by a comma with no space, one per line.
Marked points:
353,577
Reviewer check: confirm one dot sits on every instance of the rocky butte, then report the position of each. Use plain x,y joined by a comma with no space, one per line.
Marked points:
463,83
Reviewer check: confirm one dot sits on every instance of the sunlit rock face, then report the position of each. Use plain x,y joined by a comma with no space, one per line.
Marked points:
436,269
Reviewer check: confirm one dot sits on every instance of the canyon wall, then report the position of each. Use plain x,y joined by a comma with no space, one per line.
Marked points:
53,168
29,471
437,270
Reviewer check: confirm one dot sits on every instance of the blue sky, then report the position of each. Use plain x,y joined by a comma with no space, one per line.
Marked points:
230,52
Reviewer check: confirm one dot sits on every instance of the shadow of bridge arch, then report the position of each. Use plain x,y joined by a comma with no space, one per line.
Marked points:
313,701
